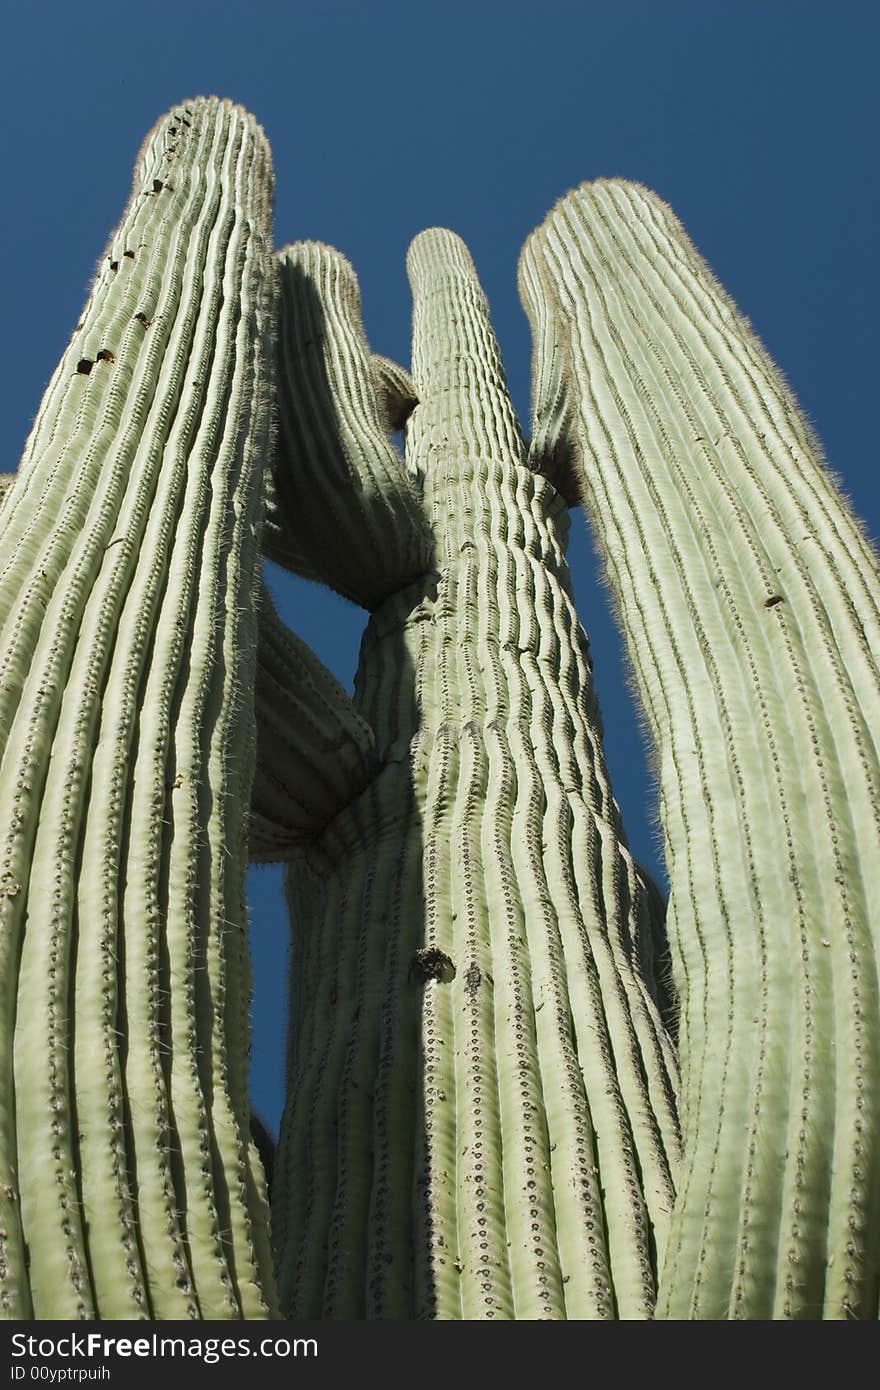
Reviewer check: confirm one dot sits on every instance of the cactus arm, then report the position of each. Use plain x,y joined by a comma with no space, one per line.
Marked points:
750,602
130,550
395,393
314,753
454,350
333,456
554,442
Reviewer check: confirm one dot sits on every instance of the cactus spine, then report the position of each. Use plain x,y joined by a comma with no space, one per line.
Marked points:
481,1115
127,602
749,599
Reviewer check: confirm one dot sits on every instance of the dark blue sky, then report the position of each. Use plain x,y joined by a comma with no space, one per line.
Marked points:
756,119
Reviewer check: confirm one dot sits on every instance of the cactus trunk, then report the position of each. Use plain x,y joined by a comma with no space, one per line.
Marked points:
129,547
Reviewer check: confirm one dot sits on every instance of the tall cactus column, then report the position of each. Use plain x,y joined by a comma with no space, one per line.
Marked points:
129,551
481,1096
751,604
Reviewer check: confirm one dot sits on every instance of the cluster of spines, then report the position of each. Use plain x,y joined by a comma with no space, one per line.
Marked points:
127,599
750,602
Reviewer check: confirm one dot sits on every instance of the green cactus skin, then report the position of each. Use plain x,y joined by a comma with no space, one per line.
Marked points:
750,602
314,754
483,1110
129,543
395,393
481,1100
335,460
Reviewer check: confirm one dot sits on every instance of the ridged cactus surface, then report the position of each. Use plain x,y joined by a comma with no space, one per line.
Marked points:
481,1111
750,600
128,583
336,403
314,753
484,1117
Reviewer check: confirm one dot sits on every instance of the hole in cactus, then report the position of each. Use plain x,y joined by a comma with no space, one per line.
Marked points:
158,185
772,601
114,266
105,355
129,255
431,964
84,366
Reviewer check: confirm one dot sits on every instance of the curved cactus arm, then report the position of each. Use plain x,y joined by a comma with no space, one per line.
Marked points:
553,448
314,753
127,650
395,393
751,605
340,505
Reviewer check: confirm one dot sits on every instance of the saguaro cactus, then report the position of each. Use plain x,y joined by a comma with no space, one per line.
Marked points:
128,588
751,606
481,1117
